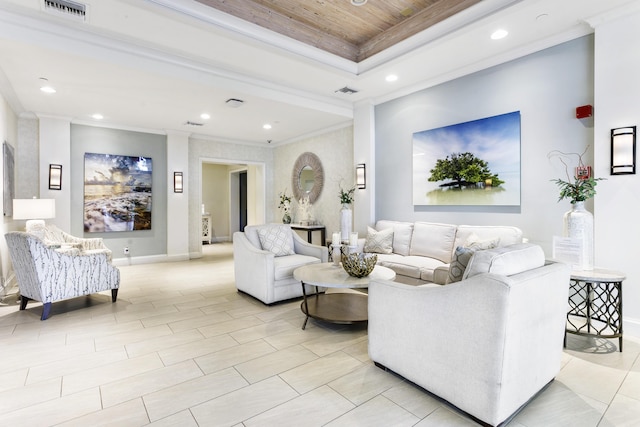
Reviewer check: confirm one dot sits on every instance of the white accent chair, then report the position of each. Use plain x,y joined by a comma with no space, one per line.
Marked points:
51,273
488,343
264,270
53,236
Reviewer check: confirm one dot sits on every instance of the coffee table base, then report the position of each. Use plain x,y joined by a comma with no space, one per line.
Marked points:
340,308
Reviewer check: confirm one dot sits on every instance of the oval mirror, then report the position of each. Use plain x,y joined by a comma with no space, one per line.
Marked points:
307,177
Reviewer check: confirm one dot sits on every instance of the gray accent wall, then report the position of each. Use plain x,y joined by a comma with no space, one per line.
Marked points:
88,139
546,87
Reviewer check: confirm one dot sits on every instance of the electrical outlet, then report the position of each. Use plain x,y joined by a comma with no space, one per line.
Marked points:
126,250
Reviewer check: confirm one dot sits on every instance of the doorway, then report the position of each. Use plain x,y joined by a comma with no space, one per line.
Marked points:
234,195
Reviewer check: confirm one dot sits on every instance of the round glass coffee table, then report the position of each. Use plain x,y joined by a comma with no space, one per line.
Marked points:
337,307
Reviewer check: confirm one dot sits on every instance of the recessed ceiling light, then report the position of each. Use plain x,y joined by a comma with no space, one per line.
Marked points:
391,78
266,126
45,86
98,116
205,116
358,2
499,34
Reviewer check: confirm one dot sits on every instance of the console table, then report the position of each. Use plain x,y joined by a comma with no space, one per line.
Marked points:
310,229
595,304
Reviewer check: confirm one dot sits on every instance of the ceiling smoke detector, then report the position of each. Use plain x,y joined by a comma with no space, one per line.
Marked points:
346,90
234,102
66,8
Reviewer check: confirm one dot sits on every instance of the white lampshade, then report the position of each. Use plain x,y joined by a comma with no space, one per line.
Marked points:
34,208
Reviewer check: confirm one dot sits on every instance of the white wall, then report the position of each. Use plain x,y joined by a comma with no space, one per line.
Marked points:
177,203
545,87
55,134
335,151
8,133
617,94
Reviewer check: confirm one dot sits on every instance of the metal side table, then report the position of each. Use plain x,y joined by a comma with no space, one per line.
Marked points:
595,304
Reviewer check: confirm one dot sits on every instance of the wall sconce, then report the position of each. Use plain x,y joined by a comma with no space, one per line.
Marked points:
361,176
177,182
55,177
623,151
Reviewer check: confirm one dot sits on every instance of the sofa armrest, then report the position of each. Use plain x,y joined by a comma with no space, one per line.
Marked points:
254,268
441,274
302,247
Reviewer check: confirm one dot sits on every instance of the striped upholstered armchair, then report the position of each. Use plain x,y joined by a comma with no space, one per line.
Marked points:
51,273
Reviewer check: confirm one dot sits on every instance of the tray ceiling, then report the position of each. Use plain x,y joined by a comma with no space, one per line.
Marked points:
338,27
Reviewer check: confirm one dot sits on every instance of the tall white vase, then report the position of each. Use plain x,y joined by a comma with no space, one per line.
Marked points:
345,222
578,224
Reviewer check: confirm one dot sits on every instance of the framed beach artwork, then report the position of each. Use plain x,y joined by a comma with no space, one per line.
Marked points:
472,163
117,193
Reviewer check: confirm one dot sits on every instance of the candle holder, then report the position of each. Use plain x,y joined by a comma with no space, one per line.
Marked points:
336,253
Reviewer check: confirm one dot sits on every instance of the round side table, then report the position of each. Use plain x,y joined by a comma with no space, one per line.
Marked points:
595,304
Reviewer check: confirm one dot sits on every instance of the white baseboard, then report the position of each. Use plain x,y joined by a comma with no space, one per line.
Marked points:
151,259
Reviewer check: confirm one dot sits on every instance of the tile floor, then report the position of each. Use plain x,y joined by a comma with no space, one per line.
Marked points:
182,348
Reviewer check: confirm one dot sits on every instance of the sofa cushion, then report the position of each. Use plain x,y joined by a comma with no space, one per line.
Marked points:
380,242
433,240
402,232
505,260
417,267
276,239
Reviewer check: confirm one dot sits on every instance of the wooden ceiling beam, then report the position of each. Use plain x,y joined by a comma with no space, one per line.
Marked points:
285,25
420,21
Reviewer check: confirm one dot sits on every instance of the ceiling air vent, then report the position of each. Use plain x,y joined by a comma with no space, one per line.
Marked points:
234,102
190,123
346,90
66,8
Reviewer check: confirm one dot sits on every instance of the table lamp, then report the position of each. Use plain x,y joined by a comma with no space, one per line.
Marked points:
35,211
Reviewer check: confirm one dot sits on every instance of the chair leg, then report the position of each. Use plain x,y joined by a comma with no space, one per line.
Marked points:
114,295
23,302
46,310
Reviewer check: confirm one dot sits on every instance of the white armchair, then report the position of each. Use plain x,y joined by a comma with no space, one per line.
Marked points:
265,257
50,274
487,344
55,237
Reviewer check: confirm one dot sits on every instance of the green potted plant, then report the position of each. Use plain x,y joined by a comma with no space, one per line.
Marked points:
346,197
579,190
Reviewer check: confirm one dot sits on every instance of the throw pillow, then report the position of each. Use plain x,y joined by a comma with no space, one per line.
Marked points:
380,242
276,239
474,242
459,263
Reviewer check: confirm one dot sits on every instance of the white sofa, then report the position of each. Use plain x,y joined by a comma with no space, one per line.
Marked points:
488,343
422,251
264,269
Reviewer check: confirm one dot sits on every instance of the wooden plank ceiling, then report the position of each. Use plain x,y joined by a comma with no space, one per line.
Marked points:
338,27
